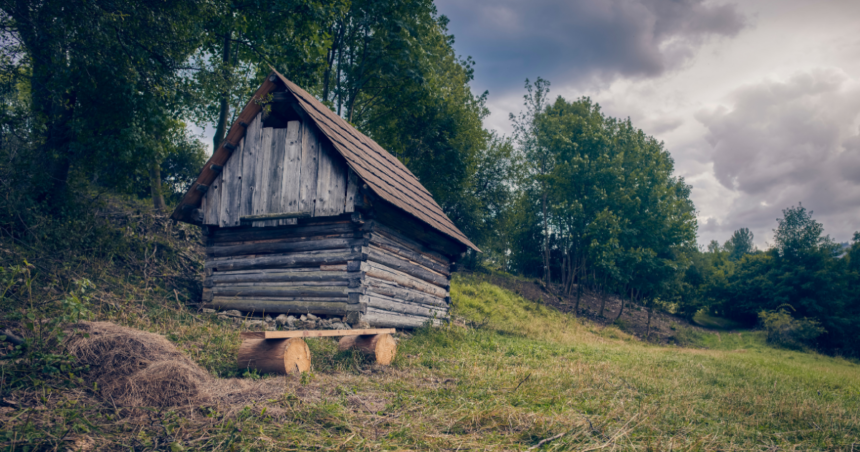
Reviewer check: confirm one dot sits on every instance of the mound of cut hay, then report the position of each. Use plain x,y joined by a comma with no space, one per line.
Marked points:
134,368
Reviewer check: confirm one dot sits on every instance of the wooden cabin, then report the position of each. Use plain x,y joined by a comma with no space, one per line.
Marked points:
305,214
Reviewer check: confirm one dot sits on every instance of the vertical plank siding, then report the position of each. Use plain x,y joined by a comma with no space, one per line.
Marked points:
281,170
310,167
231,189
250,152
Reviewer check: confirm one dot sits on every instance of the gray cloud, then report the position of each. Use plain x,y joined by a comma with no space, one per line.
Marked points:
583,39
785,142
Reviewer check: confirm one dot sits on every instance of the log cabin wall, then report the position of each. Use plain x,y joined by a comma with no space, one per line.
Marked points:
364,271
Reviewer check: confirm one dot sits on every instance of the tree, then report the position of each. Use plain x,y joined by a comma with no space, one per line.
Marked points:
740,244
797,231
93,66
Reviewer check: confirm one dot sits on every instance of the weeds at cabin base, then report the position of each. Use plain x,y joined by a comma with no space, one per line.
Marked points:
522,373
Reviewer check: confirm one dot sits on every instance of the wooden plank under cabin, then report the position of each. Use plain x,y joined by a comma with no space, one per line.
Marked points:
213,202
231,188
292,175
261,174
315,333
253,145
309,167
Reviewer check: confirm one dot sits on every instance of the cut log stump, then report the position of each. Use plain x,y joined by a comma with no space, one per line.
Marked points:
382,347
278,356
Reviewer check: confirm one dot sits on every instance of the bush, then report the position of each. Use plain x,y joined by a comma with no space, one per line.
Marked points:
785,331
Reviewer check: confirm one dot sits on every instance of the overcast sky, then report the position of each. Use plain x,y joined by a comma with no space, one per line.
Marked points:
757,101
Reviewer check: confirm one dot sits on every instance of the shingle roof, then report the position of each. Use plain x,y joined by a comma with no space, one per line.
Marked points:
386,176
381,171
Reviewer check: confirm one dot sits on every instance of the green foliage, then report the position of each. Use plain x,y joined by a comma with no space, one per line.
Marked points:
786,331
740,244
598,203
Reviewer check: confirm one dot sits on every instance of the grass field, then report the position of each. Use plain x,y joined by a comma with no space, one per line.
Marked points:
507,375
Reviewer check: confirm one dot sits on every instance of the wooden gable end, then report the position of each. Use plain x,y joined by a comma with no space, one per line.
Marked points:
278,174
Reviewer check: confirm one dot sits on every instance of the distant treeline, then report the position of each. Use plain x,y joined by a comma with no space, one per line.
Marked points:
99,95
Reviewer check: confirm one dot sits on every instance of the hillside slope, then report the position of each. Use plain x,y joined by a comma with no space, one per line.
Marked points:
510,374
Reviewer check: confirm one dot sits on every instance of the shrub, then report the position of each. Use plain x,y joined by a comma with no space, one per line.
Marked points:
786,331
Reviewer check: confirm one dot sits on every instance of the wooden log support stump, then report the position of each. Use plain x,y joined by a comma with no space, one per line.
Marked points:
382,347
285,352
277,356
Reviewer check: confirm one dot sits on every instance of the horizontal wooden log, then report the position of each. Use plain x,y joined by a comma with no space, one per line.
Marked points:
404,266
381,318
314,333
390,304
341,267
331,306
388,235
403,294
250,233
297,238
278,292
282,284
386,247
279,276
387,274
286,261
284,247
274,216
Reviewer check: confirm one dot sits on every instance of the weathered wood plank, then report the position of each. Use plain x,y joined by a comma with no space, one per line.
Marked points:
284,247
405,266
261,173
393,305
211,249
293,260
404,253
385,234
274,175
210,283
373,285
213,203
281,292
382,272
250,152
382,318
231,188
337,184
352,184
316,333
309,168
292,176
225,236
324,173
334,306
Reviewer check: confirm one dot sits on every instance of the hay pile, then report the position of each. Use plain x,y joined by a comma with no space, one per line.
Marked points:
134,368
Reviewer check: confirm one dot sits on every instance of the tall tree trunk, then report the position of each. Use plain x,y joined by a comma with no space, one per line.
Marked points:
621,309
546,256
155,185
603,296
221,127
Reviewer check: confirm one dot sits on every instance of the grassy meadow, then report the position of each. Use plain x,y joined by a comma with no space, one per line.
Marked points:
507,374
